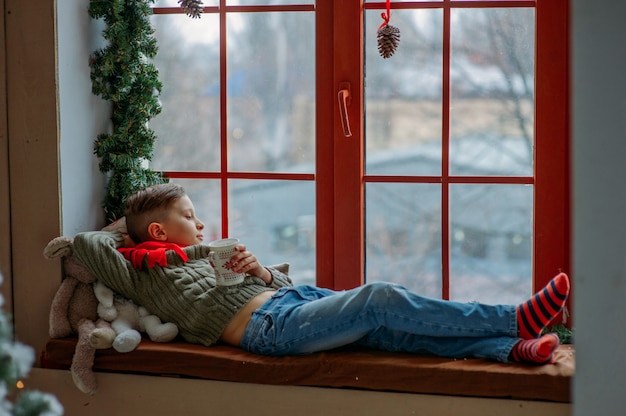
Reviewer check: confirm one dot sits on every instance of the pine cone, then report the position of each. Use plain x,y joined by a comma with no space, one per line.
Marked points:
192,8
388,40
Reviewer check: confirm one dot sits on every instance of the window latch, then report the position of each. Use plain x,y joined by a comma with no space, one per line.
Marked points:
344,102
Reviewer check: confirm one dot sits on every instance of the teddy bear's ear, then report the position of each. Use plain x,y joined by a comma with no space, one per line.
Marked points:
119,226
58,247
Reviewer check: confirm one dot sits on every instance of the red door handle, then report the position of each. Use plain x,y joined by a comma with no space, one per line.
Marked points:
344,96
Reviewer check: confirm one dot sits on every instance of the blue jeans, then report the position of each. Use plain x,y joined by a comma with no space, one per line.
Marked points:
385,316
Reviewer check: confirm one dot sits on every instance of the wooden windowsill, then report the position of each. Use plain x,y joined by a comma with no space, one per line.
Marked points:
345,368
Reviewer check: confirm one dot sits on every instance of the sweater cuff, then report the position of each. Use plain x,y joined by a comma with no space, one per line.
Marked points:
279,279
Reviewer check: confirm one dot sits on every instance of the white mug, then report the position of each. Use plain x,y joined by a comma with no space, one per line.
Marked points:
220,252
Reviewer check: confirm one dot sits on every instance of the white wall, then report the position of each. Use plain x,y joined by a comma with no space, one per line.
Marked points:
82,117
599,162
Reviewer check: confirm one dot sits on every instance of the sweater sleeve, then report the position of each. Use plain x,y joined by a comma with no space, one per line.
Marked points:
97,250
280,276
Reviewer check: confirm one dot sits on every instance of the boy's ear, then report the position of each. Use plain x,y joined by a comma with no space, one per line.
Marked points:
157,232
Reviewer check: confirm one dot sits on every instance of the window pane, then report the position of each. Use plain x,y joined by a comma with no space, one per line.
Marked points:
492,95
266,2
188,62
403,235
403,96
276,221
175,3
271,91
205,195
491,243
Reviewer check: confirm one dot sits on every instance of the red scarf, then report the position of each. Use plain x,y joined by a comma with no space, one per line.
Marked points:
154,250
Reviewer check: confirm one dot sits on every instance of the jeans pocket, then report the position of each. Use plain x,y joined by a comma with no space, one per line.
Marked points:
265,340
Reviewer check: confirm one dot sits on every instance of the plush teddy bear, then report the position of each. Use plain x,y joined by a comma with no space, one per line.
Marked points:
74,312
129,320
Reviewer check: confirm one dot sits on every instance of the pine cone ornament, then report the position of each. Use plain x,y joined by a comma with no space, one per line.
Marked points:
192,8
388,40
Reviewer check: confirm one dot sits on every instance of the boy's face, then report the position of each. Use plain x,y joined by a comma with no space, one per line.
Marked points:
181,226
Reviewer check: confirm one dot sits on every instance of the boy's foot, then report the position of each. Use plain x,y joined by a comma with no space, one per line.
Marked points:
534,314
535,351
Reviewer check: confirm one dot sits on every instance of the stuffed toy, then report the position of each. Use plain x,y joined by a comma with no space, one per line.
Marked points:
85,307
126,317
129,320
74,311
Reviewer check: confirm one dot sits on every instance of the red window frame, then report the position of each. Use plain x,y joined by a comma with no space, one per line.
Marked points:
339,175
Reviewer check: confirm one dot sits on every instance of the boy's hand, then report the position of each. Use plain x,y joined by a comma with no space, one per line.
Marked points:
246,262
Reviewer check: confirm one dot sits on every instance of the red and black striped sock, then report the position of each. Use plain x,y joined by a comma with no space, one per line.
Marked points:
534,314
535,351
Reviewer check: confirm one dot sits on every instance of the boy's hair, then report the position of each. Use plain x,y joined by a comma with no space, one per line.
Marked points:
149,205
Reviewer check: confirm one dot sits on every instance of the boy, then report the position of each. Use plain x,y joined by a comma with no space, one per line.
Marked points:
169,273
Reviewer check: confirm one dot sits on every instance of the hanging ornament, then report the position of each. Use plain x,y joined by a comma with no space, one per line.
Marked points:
388,36
388,39
192,8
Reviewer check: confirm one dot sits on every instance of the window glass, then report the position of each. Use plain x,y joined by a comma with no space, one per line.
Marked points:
188,127
276,221
490,256
271,91
175,3
492,91
267,2
403,236
403,96
205,195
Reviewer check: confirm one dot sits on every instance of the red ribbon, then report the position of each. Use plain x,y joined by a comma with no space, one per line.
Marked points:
386,16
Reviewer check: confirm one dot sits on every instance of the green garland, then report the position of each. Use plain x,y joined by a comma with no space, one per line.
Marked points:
123,74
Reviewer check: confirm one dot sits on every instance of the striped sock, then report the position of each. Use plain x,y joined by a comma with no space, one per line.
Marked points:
535,351
534,314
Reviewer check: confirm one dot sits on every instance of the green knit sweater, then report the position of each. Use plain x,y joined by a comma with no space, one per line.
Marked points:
181,292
